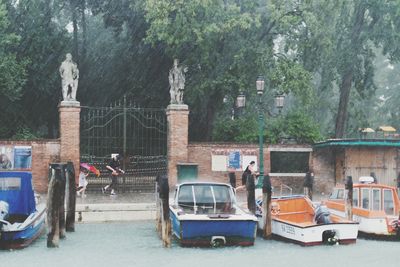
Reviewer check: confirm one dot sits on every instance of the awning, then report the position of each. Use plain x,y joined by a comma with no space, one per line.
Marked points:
358,142
367,130
386,129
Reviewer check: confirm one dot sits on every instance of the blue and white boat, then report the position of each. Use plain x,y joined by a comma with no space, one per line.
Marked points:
21,220
206,214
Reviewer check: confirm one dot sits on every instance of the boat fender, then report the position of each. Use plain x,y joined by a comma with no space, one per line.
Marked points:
395,224
275,208
322,215
329,237
4,208
218,241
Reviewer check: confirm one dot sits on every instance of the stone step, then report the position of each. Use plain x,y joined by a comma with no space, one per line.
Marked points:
110,212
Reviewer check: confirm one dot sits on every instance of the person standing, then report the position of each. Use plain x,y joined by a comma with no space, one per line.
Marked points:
232,176
248,171
114,168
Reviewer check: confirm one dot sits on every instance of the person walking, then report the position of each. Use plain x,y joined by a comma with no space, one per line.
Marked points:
80,191
114,168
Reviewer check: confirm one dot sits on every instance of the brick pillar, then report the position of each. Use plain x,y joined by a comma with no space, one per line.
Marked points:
69,133
178,135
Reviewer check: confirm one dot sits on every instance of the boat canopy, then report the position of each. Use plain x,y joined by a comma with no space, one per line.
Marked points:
366,180
16,189
212,195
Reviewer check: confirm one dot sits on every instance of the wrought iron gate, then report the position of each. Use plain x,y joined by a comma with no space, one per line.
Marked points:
138,134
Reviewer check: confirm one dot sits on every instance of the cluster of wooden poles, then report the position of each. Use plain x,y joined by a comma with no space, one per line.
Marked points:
61,190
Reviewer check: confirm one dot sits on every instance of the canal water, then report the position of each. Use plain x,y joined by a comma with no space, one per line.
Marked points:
137,244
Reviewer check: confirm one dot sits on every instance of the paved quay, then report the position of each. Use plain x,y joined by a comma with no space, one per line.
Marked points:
98,207
127,206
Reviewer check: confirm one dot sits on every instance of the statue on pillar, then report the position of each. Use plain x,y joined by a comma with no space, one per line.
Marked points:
177,83
69,78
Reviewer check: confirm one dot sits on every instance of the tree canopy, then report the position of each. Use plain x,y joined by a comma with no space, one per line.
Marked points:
335,62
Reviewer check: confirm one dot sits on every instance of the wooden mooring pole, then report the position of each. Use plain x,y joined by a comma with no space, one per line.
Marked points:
158,205
251,198
308,185
71,197
348,194
266,206
163,220
55,204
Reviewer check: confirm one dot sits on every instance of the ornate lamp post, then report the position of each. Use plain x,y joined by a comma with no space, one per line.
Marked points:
260,91
267,189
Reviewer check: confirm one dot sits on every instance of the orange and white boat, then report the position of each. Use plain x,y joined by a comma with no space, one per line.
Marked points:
296,219
375,207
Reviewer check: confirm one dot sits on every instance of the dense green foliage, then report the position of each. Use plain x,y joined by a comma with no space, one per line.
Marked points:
335,61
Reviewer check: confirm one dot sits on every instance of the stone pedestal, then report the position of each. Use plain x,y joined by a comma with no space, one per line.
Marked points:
69,133
178,135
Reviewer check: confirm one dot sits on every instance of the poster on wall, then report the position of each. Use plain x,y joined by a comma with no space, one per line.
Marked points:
218,163
22,157
6,157
234,160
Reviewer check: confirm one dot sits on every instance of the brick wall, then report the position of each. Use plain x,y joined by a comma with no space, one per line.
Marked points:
69,134
178,121
201,153
323,162
43,153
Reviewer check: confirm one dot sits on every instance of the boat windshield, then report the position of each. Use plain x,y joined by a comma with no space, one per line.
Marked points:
205,198
337,193
10,183
388,204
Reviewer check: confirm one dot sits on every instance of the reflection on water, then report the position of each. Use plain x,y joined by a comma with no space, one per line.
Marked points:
136,244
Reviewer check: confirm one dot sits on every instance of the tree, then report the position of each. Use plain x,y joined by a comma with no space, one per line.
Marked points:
222,43
12,74
43,43
353,29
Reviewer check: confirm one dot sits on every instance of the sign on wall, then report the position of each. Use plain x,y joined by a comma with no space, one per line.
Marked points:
222,159
15,157
234,160
218,163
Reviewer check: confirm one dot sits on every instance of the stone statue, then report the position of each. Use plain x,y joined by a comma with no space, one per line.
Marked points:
177,83
69,78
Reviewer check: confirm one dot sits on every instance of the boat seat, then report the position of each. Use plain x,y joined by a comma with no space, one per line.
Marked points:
16,218
293,212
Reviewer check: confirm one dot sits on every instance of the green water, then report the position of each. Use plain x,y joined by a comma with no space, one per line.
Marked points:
137,244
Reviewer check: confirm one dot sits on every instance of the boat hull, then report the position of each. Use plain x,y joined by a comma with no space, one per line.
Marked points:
346,233
198,230
24,236
372,228
296,219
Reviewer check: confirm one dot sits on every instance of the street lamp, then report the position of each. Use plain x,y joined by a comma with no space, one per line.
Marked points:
267,190
241,100
260,91
279,99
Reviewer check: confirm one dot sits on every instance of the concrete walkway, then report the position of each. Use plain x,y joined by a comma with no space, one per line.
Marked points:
98,207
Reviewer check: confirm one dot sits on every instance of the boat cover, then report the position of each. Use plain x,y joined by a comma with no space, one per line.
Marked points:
16,189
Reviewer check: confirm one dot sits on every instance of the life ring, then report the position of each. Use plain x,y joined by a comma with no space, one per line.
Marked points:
275,208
